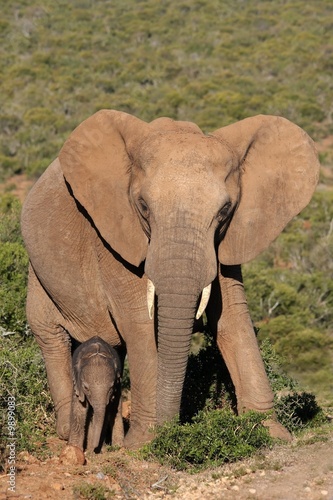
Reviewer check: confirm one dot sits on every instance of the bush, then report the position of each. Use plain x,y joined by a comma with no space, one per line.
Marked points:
298,410
13,267
23,377
93,491
207,382
213,438
295,409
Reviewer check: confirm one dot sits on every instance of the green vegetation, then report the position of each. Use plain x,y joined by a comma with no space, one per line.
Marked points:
13,267
211,439
295,408
93,492
210,62
23,377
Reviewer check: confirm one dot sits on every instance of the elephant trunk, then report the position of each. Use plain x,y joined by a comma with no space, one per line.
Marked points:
180,263
97,426
175,325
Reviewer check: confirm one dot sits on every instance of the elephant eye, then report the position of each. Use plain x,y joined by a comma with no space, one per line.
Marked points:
143,210
85,387
143,207
224,212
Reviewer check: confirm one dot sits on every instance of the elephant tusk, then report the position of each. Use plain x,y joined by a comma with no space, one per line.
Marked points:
150,298
204,301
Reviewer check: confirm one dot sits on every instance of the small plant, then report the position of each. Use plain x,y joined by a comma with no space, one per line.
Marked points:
278,379
295,409
213,438
299,410
93,492
207,383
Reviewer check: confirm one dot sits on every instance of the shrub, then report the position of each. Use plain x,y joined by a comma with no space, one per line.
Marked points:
10,209
13,277
298,410
207,382
93,491
13,267
213,438
22,376
295,409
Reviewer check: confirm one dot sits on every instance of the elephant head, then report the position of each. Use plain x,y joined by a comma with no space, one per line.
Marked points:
96,374
183,202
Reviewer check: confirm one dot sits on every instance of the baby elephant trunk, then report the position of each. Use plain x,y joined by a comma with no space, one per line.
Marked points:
97,426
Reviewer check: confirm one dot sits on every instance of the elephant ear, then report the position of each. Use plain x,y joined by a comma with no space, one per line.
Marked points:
79,391
96,164
77,383
279,171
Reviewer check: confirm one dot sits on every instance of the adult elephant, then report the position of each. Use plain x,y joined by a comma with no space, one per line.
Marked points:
130,206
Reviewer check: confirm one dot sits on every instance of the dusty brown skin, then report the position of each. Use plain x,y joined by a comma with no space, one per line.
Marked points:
127,201
96,376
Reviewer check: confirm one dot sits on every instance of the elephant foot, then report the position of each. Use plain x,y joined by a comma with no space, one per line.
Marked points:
118,439
72,455
277,430
137,437
63,420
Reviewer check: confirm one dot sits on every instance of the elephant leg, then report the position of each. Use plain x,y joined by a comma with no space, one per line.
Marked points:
54,341
116,414
239,347
117,438
77,423
142,359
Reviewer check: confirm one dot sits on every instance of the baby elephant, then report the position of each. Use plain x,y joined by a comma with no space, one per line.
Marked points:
96,374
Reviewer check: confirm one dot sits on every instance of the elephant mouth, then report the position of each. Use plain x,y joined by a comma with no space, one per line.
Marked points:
151,299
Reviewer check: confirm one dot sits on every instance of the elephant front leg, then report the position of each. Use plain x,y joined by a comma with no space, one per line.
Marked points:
239,347
142,359
73,453
58,363
44,320
56,350
78,423
117,432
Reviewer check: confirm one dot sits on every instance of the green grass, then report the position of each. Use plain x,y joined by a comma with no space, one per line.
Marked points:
93,492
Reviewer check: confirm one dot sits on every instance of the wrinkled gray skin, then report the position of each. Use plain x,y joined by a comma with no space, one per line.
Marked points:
127,201
96,376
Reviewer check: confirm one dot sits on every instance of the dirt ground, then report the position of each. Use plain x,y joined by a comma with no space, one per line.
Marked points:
296,471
